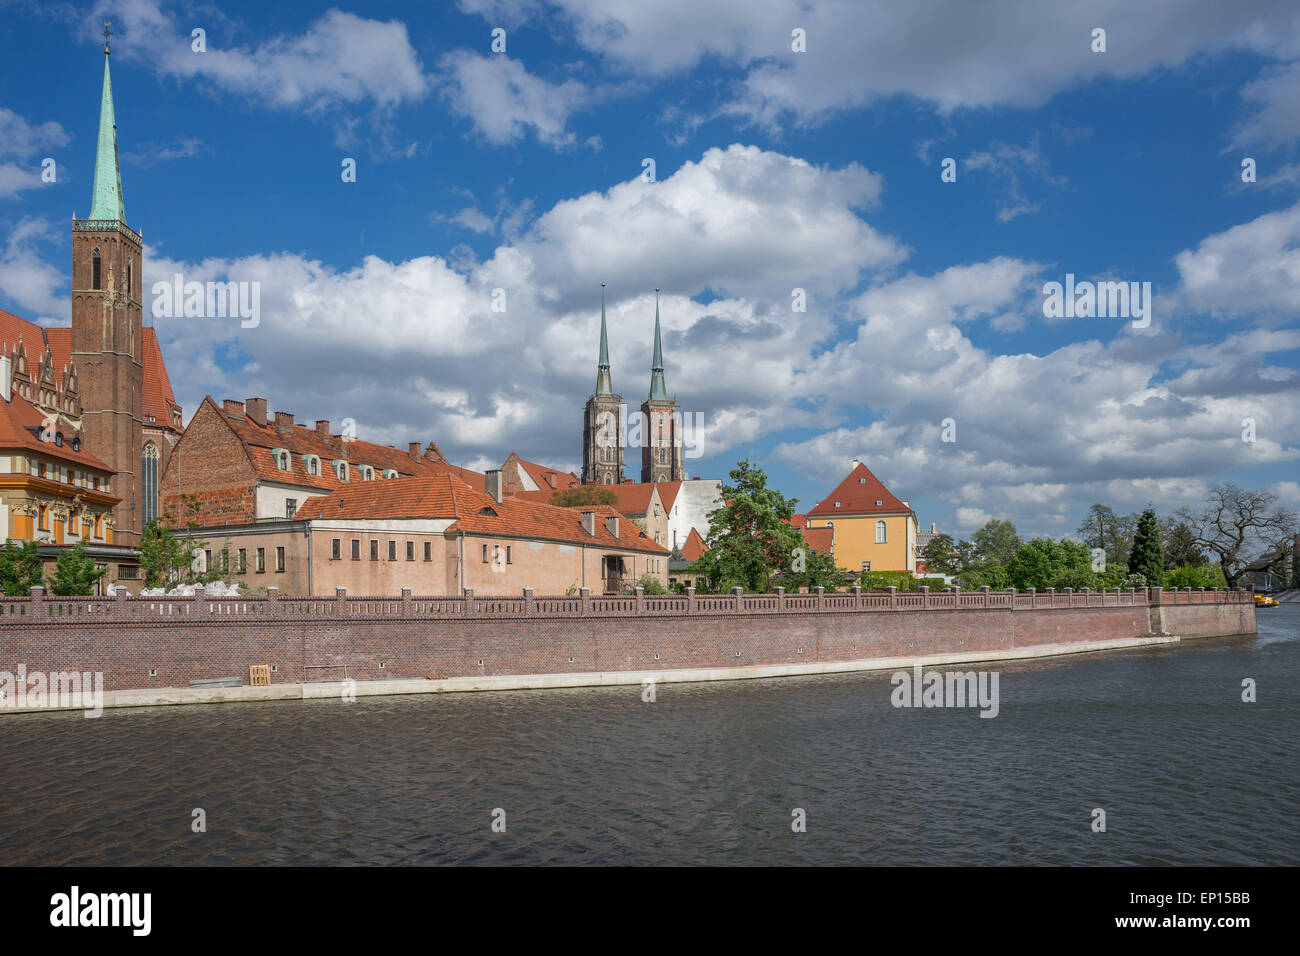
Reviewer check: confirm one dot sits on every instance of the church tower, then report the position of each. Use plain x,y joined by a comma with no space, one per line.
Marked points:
661,436
106,326
602,422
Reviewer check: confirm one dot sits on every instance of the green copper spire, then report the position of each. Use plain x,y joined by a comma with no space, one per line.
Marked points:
657,390
106,202
604,384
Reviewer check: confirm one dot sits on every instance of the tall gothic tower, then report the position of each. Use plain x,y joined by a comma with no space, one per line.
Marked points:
661,438
106,326
602,422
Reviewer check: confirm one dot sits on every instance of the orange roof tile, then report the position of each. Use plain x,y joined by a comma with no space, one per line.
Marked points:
548,478
694,547
20,421
857,495
443,496
819,540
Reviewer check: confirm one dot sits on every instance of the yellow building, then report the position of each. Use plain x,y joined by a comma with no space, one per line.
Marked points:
874,530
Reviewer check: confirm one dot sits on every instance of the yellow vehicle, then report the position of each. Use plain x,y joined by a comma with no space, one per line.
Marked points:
1265,600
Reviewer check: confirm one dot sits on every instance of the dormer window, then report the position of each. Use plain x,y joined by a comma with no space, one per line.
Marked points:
879,503
341,469
390,472
487,511
862,481
837,504
367,473
58,439
281,458
313,465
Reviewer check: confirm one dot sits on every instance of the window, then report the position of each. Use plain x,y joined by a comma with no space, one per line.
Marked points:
128,278
880,532
40,469
95,271
879,503
279,559
334,549
837,504
243,560
485,557
290,507
862,481
508,555
866,565
261,560
374,550
284,461
410,551
207,559
149,480
392,551
43,518
356,550
313,466
609,479
428,551
342,468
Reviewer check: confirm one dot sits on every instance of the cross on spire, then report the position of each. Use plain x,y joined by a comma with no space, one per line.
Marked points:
107,33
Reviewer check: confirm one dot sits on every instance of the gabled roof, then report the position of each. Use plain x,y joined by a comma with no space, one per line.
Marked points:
634,497
20,420
547,478
857,495
443,496
668,493
694,547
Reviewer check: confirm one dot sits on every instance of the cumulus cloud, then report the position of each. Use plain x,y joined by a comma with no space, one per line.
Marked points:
504,101
1252,269
26,276
23,141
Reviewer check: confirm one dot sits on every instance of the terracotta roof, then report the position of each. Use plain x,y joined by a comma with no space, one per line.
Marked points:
548,478
158,398
694,546
299,440
19,422
798,521
444,496
819,540
668,493
633,496
857,495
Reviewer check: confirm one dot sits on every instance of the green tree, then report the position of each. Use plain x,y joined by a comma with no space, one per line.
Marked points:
819,571
940,554
1203,575
1044,563
584,495
20,568
995,543
75,572
1146,558
1180,544
750,536
649,582
1236,523
1102,528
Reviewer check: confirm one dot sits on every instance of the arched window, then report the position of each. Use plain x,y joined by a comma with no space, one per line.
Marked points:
313,466
284,461
128,279
95,269
609,479
149,480
880,532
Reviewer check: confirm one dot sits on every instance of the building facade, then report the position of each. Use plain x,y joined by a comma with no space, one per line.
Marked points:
661,438
874,529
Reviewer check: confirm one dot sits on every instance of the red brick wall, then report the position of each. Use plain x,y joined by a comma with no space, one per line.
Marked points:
210,462
415,645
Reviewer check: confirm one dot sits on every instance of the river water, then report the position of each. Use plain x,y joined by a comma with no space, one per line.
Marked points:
1158,738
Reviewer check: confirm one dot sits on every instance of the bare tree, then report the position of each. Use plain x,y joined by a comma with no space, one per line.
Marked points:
1236,524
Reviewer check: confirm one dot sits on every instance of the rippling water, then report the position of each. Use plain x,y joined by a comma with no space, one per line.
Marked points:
709,773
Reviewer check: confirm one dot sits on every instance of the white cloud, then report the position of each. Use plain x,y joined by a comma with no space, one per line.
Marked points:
504,100
27,278
1273,99
24,141
1248,270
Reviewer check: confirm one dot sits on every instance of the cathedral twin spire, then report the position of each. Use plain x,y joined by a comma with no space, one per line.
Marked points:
604,381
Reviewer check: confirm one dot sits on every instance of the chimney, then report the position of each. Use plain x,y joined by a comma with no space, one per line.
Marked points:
611,525
492,482
6,376
284,419
413,449
323,429
232,407
589,523
931,527
256,410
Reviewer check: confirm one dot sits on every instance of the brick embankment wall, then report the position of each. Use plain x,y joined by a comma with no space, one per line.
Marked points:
369,639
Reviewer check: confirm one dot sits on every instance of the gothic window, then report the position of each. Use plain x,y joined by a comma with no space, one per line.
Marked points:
128,279
609,479
880,532
149,471
95,269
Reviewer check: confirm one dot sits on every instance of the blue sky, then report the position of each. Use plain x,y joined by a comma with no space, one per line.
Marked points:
775,170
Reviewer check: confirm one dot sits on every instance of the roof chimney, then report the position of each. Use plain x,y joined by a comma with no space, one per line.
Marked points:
492,483
932,527
589,523
413,449
323,429
284,419
256,410
611,525
232,407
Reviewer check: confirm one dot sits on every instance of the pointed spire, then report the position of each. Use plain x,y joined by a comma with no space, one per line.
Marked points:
106,200
604,383
657,390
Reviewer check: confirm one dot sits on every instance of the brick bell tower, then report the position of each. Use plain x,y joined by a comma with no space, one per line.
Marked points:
106,326
602,423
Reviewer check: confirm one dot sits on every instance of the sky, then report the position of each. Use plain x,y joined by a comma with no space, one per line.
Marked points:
743,156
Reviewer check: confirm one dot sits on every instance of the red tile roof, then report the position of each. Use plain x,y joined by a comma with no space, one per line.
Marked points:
547,478
857,495
799,521
19,422
668,493
444,496
819,540
694,547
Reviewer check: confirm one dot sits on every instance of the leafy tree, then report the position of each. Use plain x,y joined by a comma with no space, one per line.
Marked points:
649,582
994,577
584,495
75,572
1180,545
940,554
20,568
1044,563
1102,528
749,535
1147,558
1236,523
995,543
161,555
819,571
1204,575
